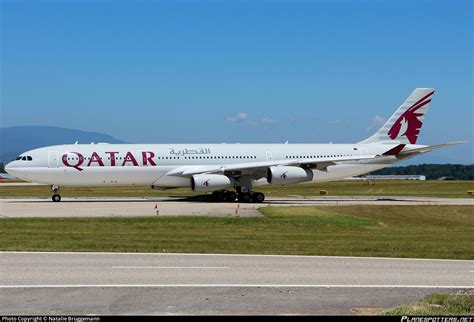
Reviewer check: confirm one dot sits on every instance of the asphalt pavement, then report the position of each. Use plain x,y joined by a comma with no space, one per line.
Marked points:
125,283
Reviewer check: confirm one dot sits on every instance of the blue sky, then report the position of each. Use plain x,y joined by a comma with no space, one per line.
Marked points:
238,71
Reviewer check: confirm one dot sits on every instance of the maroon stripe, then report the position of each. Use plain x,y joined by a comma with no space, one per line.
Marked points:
394,151
413,109
422,99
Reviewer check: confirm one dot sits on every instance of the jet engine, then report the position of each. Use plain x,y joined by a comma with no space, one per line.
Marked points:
211,182
284,175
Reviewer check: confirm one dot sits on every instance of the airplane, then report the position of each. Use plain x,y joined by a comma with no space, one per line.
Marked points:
228,171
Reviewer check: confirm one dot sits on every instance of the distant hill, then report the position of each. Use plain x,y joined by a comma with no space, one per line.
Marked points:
15,140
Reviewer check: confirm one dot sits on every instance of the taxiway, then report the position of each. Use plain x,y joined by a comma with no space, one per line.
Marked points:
129,207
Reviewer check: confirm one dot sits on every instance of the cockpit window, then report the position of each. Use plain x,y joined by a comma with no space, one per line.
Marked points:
24,158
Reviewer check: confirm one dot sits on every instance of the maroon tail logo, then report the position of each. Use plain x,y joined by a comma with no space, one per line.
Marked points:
408,123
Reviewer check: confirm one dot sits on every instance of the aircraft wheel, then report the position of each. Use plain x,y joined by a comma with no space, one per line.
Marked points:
230,196
244,197
258,197
218,196
56,198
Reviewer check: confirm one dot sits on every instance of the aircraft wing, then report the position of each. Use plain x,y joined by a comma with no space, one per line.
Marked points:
262,166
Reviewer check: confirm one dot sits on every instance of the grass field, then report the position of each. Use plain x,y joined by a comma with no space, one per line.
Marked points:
437,305
429,188
386,231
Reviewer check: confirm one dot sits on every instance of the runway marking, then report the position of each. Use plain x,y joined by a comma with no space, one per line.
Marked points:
239,255
237,285
174,267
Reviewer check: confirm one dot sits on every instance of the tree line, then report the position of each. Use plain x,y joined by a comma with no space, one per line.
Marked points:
432,171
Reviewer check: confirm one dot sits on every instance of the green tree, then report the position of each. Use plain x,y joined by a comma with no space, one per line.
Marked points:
432,171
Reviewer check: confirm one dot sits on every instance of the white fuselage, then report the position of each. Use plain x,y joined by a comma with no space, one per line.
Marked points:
149,164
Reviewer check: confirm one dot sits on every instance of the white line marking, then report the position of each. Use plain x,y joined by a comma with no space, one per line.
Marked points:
171,267
238,285
237,255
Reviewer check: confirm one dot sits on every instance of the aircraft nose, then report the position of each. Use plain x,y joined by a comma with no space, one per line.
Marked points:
9,167
14,169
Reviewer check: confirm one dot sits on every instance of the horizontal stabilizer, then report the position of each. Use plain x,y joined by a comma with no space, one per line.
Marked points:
429,148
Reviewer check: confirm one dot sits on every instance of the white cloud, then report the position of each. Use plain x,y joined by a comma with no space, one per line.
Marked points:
244,118
239,117
377,122
336,122
267,120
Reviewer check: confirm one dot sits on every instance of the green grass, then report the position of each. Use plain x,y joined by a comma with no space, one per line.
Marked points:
43,191
437,305
384,231
430,188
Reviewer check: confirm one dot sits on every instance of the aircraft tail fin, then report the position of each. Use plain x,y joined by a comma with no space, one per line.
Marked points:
404,125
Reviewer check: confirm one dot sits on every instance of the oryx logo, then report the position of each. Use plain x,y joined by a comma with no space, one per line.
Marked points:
206,183
284,175
409,124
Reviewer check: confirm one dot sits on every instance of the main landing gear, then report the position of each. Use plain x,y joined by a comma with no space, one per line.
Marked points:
220,196
56,197
230,196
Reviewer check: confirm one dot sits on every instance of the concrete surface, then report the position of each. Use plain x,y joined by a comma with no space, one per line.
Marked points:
104,207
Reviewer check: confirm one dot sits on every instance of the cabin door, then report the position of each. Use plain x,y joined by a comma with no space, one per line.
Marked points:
269,155
53,159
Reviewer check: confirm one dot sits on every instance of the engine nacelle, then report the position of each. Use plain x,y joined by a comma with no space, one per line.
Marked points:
211,182
283,175
170,182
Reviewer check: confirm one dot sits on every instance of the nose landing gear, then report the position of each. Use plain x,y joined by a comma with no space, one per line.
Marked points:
56,197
